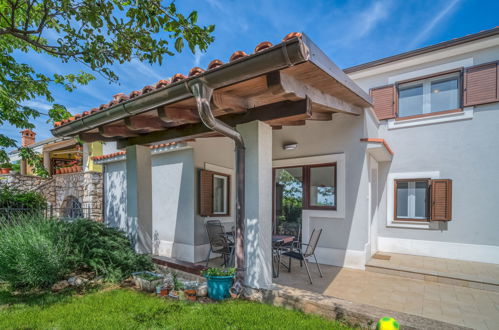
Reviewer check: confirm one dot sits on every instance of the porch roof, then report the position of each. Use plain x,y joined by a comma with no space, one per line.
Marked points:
282,84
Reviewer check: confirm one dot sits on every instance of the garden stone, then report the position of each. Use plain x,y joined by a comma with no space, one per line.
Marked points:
202,290
77,281
59,286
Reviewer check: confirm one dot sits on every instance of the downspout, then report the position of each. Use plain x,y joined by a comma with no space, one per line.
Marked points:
203,93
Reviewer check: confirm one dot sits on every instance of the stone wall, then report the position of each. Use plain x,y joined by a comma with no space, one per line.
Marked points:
86,187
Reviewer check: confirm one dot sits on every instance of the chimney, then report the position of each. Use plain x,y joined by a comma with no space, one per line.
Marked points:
27,137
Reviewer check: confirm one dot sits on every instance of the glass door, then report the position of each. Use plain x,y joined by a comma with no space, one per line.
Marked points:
288,201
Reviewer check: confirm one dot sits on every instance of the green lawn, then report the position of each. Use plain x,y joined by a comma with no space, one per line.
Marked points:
128,309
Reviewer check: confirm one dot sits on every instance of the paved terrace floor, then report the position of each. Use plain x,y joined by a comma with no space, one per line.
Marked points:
469,307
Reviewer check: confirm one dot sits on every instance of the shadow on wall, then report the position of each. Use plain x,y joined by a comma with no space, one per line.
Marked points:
115,199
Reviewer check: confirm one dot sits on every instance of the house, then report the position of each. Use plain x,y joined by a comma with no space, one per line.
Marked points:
74,187
395,155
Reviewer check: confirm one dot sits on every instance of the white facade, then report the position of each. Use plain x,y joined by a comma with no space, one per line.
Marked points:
459,146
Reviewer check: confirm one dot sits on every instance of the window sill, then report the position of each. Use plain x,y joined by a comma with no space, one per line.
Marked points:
409,224
433,118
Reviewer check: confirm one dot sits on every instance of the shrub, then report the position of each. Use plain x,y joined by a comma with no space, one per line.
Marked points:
104,250
33,252
37,252
13,198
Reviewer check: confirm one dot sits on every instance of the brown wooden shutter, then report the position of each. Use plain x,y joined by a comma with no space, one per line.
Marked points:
441,200
384,102
481,84
205,193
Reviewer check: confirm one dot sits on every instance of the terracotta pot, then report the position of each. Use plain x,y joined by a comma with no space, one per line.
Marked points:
79,168
190,294
64,170
58,171
5,170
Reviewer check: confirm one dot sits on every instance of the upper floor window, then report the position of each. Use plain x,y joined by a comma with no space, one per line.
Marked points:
425,96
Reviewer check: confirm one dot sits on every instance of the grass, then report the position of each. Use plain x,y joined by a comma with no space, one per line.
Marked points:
128,309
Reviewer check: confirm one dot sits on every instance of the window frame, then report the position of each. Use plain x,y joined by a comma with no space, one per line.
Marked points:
428,199
427,79
226,177
306,186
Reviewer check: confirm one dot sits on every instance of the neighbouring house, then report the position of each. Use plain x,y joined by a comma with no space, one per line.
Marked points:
395,155
74,187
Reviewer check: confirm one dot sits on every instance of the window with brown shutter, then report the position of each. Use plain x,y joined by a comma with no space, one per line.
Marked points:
441,200
214,194
481,84
384,102
423,200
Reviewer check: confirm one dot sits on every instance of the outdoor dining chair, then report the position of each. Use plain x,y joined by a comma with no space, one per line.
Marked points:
219,242
298,253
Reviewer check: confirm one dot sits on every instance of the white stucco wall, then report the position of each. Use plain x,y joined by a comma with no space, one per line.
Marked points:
462,150
115,196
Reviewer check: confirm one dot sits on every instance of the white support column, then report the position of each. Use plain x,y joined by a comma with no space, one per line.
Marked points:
139,196
46,161
258,203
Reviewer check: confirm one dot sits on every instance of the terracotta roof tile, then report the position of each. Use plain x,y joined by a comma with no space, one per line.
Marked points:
263,45
178,77
121,97
292,35
215,63
237,55
195,70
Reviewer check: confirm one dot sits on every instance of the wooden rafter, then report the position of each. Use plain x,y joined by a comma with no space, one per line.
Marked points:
177,116
138,123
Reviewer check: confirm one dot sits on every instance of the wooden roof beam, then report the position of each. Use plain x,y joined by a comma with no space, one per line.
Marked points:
230,103
290,88
109,131
177,116
144,123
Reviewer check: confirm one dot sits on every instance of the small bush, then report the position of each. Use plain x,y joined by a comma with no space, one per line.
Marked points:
33,252
14,198
104,250
37,252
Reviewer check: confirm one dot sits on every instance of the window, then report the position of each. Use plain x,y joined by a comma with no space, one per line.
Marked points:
214,194
430,95
220,194
322,186
307,187
411,199
423,199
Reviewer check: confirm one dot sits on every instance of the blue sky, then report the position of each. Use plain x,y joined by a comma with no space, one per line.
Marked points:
349,32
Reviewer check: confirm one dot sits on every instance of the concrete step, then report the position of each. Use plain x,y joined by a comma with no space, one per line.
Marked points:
457,279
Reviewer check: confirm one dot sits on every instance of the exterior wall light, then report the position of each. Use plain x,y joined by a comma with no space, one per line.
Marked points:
291,146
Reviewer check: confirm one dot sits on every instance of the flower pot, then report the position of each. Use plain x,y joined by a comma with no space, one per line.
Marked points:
218,286
58,171
190,294
79,168
164,291
5,170
146,284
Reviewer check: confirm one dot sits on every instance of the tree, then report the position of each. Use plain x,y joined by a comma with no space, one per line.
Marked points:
95,33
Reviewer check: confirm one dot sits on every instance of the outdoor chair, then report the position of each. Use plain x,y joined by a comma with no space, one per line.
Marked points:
298,253
219,242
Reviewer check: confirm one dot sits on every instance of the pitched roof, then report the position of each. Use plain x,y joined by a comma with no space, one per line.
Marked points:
122,97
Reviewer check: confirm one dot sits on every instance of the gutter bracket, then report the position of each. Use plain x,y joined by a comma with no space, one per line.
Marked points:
203,94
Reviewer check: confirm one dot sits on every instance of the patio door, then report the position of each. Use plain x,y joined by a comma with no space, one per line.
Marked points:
288,201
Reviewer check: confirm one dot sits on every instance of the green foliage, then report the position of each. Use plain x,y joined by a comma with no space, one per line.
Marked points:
36,252
35,160
13,198
104,250
127,309
219,272
33,252
96,34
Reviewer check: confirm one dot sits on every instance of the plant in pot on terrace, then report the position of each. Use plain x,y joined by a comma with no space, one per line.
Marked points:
5,168
147,281
177,287
219,282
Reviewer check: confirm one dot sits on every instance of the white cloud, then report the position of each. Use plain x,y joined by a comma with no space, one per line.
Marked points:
428,29
38,105
370,17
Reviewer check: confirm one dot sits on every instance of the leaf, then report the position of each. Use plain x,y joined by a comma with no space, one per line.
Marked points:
179,44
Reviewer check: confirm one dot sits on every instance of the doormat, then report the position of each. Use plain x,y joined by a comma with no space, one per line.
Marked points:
381,256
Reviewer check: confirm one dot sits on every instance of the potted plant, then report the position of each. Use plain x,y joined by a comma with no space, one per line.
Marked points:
58,170
177,286
219,282
147,281
5,168
190,290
